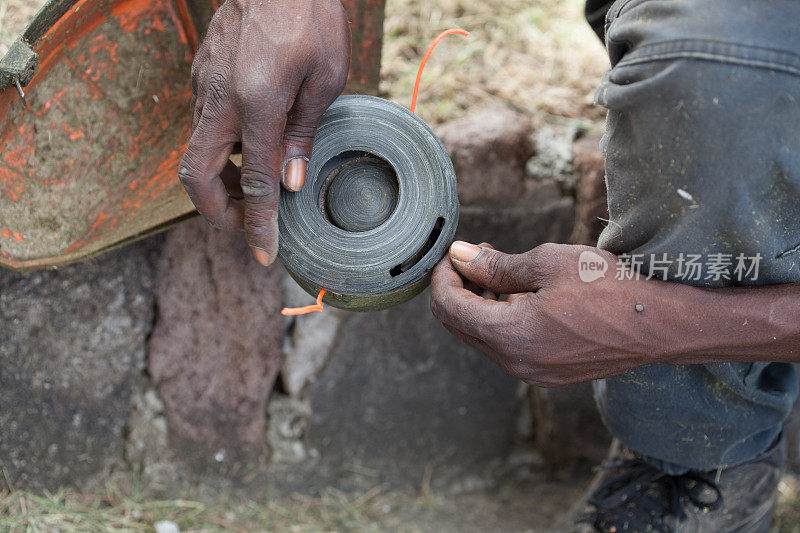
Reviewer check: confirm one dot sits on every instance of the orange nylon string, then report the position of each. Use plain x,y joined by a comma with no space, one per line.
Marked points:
291,311
425,60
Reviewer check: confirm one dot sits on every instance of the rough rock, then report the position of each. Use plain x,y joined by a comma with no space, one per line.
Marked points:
402,401
590,191
553,159
215,350
517,229
72,345
166,526
566,425
286,429
489,149
147,453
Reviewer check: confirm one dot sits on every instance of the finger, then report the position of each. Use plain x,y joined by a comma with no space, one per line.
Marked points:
260,183
316,94
517,296
203,161
485,293
456,306
498,272
469,340
196,110
474,288
480,291
198,87
505,364
488,295
231,177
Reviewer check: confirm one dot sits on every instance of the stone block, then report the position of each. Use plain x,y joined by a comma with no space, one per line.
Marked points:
517,229
402,400
553,156
72,345
590,191
215,350
567,426
489,149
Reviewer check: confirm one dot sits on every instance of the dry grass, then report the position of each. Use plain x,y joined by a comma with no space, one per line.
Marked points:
67,512
14,15
538,57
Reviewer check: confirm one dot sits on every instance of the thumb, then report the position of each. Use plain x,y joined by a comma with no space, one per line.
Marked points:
301,127
493,270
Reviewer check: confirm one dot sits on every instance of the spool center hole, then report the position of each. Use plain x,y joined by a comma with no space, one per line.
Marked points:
359,192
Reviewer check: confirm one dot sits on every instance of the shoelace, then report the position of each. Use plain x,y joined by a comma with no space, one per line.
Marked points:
654,494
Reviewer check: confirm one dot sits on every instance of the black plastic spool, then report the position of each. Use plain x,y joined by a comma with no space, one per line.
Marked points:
379,208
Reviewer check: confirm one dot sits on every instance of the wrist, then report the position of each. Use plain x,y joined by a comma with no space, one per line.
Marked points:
691,325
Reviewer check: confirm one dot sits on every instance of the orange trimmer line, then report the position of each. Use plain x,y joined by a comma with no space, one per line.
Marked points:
292,311
425,60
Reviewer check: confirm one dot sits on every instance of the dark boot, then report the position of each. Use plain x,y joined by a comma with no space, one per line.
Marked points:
630,495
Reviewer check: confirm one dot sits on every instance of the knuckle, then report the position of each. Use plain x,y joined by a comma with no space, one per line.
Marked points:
256,187
197,65
540,252
216,23
188,172
194,79
518,369
250,91
545,259
261,222
214,220
496,269
216,91
298,131
505,365
335,77
548,248
439,303
258,183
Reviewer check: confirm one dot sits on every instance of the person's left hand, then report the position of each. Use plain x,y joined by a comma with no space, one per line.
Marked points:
553,329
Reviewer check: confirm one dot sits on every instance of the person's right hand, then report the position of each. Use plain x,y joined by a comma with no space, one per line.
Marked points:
265,73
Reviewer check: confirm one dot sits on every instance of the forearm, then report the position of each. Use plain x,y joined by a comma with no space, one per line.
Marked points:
693,325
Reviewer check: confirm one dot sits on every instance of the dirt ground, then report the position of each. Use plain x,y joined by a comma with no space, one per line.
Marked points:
519,506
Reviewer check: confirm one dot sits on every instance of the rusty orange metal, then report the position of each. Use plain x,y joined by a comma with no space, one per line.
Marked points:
89,161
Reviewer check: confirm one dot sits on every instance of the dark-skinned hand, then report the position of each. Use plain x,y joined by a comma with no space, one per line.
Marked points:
265,73
558,327
553,329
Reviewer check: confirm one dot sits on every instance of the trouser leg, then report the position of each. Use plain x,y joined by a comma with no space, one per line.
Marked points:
702,149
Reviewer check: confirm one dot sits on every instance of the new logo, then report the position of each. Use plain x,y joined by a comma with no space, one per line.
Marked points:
591,266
